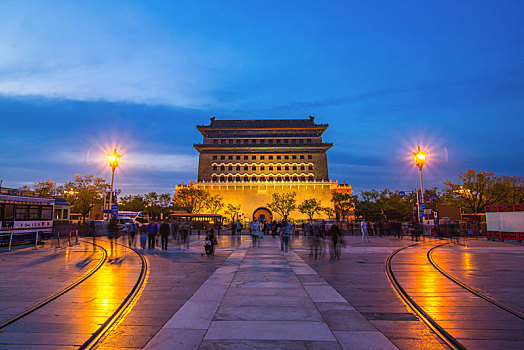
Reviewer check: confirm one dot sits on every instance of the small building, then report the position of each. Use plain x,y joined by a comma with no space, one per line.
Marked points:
61,211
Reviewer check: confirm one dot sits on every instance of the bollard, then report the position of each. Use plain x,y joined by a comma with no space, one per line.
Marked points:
10,240
36,241
58,240
77,243
69,238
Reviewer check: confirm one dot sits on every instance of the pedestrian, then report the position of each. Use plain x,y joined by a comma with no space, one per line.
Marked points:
92,229
284,238
239,227
321,236
233,228
164,230
112,232
274,228
151,230
143,236
254,229
336,237
184,232
364,229
174,229
131,232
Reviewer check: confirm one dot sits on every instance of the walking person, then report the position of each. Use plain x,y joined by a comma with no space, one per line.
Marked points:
274,228
254,229
131,232
334,232
321,226
284,238
92,229
239,227
112,232
143,236
151,231
184,232
364,229
164,230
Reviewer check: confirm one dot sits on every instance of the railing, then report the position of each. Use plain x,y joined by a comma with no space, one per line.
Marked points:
502,236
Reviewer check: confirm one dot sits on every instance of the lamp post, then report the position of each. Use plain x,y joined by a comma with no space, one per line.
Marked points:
114,159
420,160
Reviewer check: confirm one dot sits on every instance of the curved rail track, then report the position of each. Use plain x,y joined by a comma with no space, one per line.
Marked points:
116,317
60,293
468,288
428,320
412,305
125,307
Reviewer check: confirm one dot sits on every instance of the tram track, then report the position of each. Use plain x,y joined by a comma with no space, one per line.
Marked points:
125,307
413,306
116,317
468,288
58,294
451,341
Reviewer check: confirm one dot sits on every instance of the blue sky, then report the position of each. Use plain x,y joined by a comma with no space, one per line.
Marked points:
77,78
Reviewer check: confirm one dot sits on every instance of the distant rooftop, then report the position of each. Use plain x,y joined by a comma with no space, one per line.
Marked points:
262,123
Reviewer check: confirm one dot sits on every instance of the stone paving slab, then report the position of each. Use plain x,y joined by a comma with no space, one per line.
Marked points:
282,311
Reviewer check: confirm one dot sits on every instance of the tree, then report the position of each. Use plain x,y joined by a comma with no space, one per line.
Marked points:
283,204
132,203
84,192
382,205
330,212
231,211
152,207
368,208
394,207
475,190
513,188
191,199
214,204
46,188
165,202
310,207
343,203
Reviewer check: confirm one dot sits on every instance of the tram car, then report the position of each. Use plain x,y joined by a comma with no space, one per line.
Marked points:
23,217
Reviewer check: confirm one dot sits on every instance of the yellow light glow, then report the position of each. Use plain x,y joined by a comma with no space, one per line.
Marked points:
114,159
420,158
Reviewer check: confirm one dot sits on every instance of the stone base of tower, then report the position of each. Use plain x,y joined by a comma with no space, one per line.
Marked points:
253,198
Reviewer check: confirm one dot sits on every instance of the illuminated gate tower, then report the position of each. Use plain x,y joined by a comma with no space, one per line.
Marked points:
246,161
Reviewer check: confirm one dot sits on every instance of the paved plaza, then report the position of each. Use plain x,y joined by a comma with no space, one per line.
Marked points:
254,297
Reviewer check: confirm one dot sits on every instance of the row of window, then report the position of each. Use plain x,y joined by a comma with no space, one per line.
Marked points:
263,178
278,157
25,212
262,141
262,167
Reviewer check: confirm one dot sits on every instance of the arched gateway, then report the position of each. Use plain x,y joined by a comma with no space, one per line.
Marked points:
262,213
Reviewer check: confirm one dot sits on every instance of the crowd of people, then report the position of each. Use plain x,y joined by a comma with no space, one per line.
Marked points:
283,229
320,234
149,234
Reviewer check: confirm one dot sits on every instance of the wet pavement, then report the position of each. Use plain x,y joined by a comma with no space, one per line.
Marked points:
359,276
253,297
474,322
70,320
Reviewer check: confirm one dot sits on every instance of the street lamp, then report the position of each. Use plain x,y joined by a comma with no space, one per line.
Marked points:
420,160
114,159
